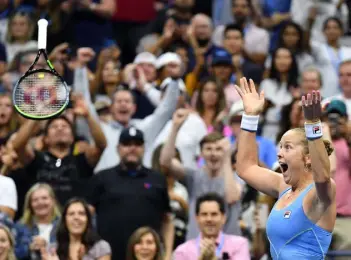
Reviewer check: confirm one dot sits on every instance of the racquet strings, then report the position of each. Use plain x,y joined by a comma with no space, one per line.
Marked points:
41,94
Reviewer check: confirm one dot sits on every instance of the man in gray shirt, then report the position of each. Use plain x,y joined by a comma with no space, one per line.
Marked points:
216,175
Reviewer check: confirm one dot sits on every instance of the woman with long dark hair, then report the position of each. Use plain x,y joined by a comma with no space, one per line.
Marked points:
76,238
330,54
279,89
292,37
211,105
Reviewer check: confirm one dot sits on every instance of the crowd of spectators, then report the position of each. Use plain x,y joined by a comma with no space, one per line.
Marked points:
142,163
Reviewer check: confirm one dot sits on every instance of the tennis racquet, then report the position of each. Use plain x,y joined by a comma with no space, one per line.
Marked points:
41,93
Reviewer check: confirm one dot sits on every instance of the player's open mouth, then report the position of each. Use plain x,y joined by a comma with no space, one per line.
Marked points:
284,166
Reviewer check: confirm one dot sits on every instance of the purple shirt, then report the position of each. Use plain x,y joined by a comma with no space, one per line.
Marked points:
237,248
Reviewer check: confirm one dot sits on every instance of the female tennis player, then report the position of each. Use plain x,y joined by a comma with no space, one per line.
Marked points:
300,223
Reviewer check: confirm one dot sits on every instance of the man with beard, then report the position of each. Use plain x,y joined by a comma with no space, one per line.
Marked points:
256,40
58,164
130,196
215,176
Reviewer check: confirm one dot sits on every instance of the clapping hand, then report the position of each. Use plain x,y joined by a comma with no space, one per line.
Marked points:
253,102
207,249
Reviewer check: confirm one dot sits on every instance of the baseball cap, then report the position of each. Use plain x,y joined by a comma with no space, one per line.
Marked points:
222,57
131,134
145,57
166,58
337,106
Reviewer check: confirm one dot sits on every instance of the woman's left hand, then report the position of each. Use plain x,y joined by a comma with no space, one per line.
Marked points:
311,106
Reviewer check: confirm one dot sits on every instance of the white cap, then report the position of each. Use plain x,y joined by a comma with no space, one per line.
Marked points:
237,108
166,58
145,57
180,83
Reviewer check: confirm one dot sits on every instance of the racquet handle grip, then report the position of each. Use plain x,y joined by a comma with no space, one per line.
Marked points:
42,33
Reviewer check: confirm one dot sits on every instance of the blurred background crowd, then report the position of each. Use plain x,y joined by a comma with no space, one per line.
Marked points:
144,157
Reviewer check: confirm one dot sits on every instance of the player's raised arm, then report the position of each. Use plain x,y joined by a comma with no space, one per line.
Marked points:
319,155
259,178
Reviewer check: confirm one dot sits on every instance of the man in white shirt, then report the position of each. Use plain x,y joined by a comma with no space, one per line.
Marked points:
345,84
8,197
122,109
189,136
301,12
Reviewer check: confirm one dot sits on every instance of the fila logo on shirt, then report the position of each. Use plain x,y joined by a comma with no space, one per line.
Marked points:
316,130
287,214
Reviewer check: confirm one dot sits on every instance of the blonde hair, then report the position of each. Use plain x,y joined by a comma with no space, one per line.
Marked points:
28,214
328,146
13,123
11,253
9,37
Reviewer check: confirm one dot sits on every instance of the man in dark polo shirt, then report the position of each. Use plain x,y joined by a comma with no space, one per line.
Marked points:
130,196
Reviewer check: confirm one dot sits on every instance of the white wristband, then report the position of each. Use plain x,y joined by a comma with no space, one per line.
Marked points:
313,130
249,123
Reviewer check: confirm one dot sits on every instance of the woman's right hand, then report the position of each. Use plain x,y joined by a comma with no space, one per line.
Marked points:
253,102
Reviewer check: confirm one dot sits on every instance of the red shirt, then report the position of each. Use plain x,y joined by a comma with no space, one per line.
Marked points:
134,10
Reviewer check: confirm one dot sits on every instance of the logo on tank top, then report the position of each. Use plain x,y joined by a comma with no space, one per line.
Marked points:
287,214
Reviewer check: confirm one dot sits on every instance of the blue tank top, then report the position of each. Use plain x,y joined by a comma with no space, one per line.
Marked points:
292,235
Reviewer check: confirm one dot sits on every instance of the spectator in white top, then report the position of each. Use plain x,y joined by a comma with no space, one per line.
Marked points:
19,35
8,197
303,10
189,136
122,109
292,37
329,55
142,80
256,39
345,84
37,228
278,88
